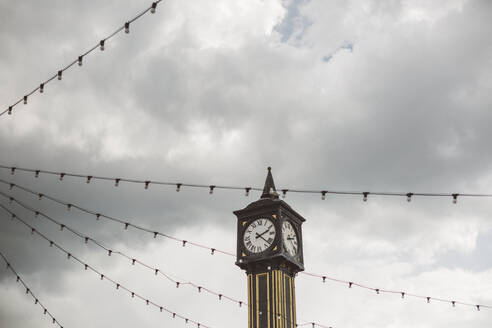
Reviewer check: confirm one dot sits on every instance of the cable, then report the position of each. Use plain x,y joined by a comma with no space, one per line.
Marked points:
247,189
29,291
100,45
184,242
100,274
134,260
111,251
125,223
403,294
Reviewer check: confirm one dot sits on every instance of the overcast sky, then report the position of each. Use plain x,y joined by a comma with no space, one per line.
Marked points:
348,95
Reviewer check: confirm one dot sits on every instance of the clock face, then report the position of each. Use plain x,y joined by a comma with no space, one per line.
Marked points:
259,235
289,237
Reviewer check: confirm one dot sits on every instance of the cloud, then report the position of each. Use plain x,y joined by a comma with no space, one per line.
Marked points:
345,95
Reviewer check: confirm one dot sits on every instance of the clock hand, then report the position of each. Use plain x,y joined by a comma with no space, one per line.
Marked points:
261,234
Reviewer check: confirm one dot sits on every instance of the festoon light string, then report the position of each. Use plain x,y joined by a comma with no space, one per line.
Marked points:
102,276
134,260
101,45
126,223
110,251
29,291
185,242
247,189
403,294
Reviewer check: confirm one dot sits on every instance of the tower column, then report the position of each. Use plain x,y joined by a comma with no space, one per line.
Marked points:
271,298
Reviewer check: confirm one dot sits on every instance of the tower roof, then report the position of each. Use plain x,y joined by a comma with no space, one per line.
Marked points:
269,190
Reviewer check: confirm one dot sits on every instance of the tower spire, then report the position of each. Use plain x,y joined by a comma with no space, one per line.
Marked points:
269,190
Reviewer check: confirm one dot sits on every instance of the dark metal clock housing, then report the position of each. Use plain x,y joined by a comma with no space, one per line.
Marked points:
276,256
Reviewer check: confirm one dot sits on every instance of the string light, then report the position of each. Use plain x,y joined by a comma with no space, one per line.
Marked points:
100,274
156,270
284,193
28,290
100,44
221,295
121,221
211,188
350,284
387,291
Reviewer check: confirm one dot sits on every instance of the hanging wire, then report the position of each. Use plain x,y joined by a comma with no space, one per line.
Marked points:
110,251
102,276
403,294
179,185
125,27
134,260
213,249
125,223
29,290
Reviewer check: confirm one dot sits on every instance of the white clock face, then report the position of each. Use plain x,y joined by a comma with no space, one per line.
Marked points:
259,235
289,237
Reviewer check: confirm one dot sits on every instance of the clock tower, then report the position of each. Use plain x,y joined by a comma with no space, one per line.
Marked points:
269,249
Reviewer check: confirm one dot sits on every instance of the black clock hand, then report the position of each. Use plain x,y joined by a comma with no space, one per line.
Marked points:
261,234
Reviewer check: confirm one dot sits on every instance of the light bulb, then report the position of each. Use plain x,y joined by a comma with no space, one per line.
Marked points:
60,75
41,88
80,60
152,9
25,100
101,45
127,27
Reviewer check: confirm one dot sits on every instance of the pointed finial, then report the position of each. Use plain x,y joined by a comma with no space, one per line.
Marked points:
269,190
